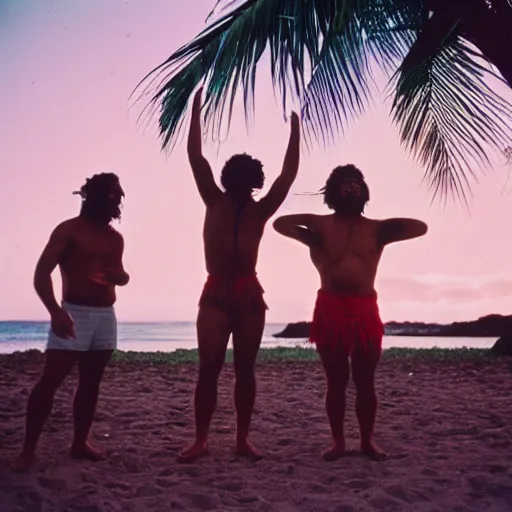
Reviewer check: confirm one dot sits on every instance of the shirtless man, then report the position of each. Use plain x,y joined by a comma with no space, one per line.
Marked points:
346,247
232,299
89,253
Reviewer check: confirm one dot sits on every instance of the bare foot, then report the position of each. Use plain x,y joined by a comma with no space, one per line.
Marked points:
86,452
245,449
374,452
198,449
335,453
23,463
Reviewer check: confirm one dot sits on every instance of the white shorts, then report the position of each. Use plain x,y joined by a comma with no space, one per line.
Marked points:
95,329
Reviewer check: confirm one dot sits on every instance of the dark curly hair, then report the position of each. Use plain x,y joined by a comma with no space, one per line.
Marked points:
242,174
97,202
332,196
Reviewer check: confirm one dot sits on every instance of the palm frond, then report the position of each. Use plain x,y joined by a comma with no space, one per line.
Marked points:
449,117
317,50
228,52
391,27
320,53
339,86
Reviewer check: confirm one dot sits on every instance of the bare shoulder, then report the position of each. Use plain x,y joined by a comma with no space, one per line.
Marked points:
114,233
116,237
67,227
373,223
314,219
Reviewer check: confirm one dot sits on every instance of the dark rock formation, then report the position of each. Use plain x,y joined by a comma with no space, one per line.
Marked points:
295,330
484,327
503,346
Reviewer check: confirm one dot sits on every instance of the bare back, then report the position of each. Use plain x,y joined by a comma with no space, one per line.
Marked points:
89,249
349,255
223,258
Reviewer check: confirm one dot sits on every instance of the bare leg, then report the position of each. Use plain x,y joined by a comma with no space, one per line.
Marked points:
364,365
247,334
91,366
337,371
213,336
57,366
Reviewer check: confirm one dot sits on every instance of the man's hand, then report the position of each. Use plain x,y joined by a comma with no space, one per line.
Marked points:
196,103
269,204
294,123
62,324
111,277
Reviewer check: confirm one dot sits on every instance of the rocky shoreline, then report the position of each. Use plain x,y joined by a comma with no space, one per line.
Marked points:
487,327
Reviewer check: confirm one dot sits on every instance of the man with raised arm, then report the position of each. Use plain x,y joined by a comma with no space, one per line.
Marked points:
89,253
232,299
345,248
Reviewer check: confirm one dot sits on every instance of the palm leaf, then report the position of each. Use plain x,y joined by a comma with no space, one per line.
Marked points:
318,43
320,53
228,51
449,117
338,88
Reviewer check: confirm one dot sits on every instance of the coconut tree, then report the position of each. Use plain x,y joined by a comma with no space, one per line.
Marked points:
323,53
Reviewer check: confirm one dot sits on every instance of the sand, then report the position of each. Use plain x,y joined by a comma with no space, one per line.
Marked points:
447,426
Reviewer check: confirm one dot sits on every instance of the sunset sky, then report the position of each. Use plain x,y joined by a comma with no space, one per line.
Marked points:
68,68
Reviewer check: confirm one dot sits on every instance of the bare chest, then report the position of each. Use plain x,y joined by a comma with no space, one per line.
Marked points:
91,247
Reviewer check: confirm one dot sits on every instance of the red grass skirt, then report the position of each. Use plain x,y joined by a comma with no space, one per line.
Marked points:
347,322
242,293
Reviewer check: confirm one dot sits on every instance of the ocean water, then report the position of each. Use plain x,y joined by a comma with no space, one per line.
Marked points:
169,336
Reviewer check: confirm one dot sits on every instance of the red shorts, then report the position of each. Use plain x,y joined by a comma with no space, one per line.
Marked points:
242,293
341,322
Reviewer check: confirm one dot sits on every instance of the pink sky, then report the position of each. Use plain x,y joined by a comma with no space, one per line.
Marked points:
68,70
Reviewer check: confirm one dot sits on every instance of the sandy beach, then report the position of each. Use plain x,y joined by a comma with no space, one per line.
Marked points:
446,424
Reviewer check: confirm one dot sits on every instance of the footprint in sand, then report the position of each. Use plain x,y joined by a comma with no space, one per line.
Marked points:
54,484
189,471
146,491
179,423
359,485
165,483
123,486
501,445
29,501
345,508
131,464
176,505
230,486
497,470
202,501
248,500
129,414
318,488
385,505
407,495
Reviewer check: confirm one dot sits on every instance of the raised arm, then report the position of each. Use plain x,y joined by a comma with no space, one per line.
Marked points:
397,230
201,169
281,186
59,241
300,227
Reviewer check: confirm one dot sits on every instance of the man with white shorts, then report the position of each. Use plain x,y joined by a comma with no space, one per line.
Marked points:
89,253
